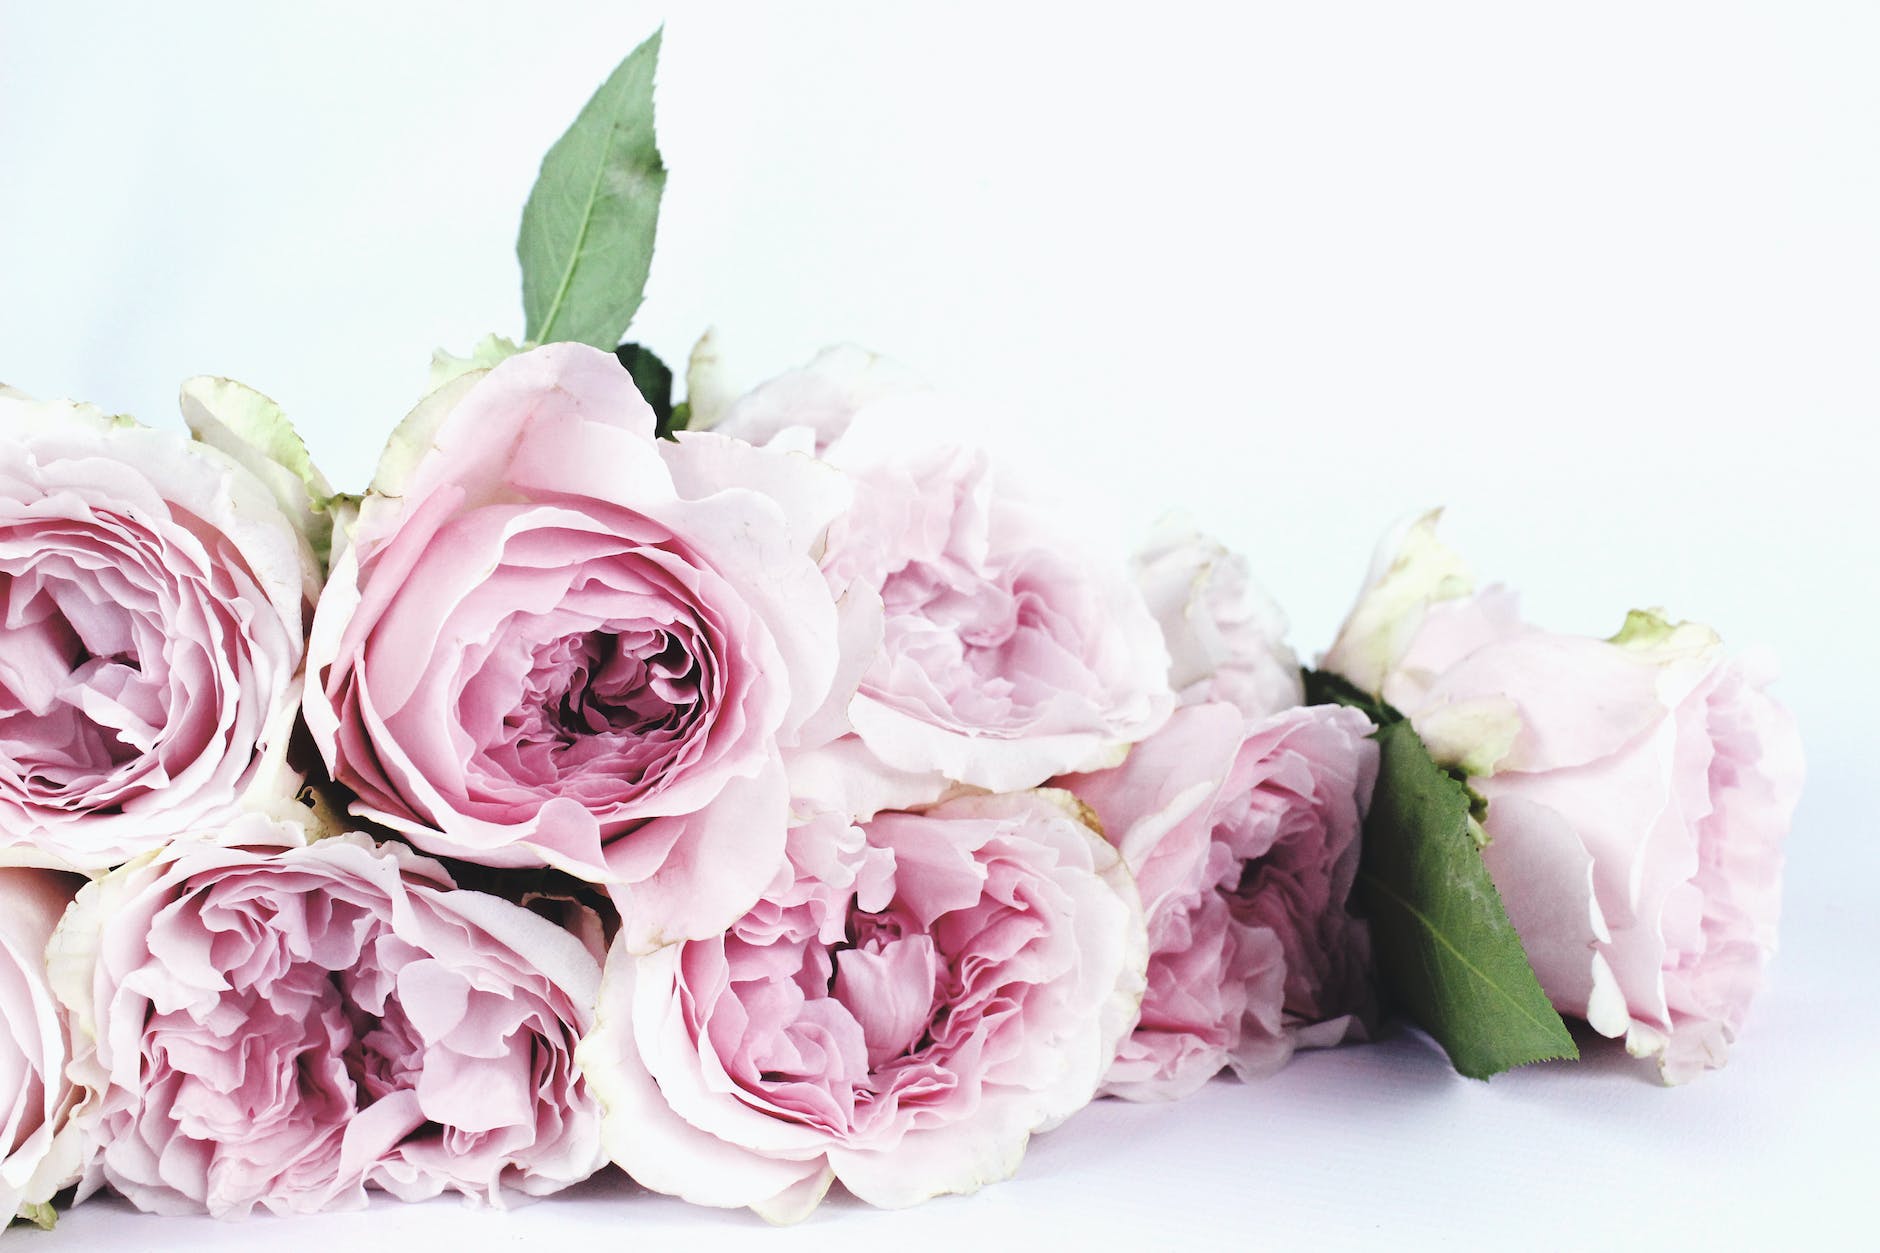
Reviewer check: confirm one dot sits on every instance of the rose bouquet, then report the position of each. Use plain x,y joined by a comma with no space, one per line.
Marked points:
751,793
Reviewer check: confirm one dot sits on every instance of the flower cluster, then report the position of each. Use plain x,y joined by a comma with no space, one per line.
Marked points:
835,732
762,794
827,813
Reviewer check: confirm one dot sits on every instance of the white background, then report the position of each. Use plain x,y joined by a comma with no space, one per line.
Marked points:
1605,279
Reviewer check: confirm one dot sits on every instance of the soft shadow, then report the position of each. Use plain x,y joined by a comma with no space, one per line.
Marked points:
1602,1061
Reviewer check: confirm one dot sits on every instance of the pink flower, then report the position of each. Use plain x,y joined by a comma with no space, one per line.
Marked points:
1244,843
557,641
982,643
33,1046
822,398
286,1027
907,1004
152,600
1007,652
1226,637
1639,789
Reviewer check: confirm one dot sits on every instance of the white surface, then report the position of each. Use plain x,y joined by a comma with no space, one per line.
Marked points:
1604,278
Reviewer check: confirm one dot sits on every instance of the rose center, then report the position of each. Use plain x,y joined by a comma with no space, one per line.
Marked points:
973,633
636,683
889,977
75,703
385,1056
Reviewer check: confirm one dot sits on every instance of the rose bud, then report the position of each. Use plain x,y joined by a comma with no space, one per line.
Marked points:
1638,792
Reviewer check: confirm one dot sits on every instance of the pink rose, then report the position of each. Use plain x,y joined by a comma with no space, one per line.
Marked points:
1244,843
556,641
1007,652
822,398
1638,789
1226,637
286,1027
982,643
33,1046
907,1004
154,592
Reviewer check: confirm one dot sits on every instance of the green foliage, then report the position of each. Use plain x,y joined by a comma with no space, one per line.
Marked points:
1446,952
653,378
587,230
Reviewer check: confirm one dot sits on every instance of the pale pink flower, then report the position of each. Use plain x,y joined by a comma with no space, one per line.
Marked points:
153,594
1226,637
821,399
910,1001
1639,789
1244,841
554,640
33,1045
1008,652
289,1026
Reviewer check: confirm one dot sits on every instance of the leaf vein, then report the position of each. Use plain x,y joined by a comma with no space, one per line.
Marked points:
586,216
1436,934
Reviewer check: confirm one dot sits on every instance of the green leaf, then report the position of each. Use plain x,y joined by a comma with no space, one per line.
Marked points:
1445,948
587,229
1325,688
653,380
1446,951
